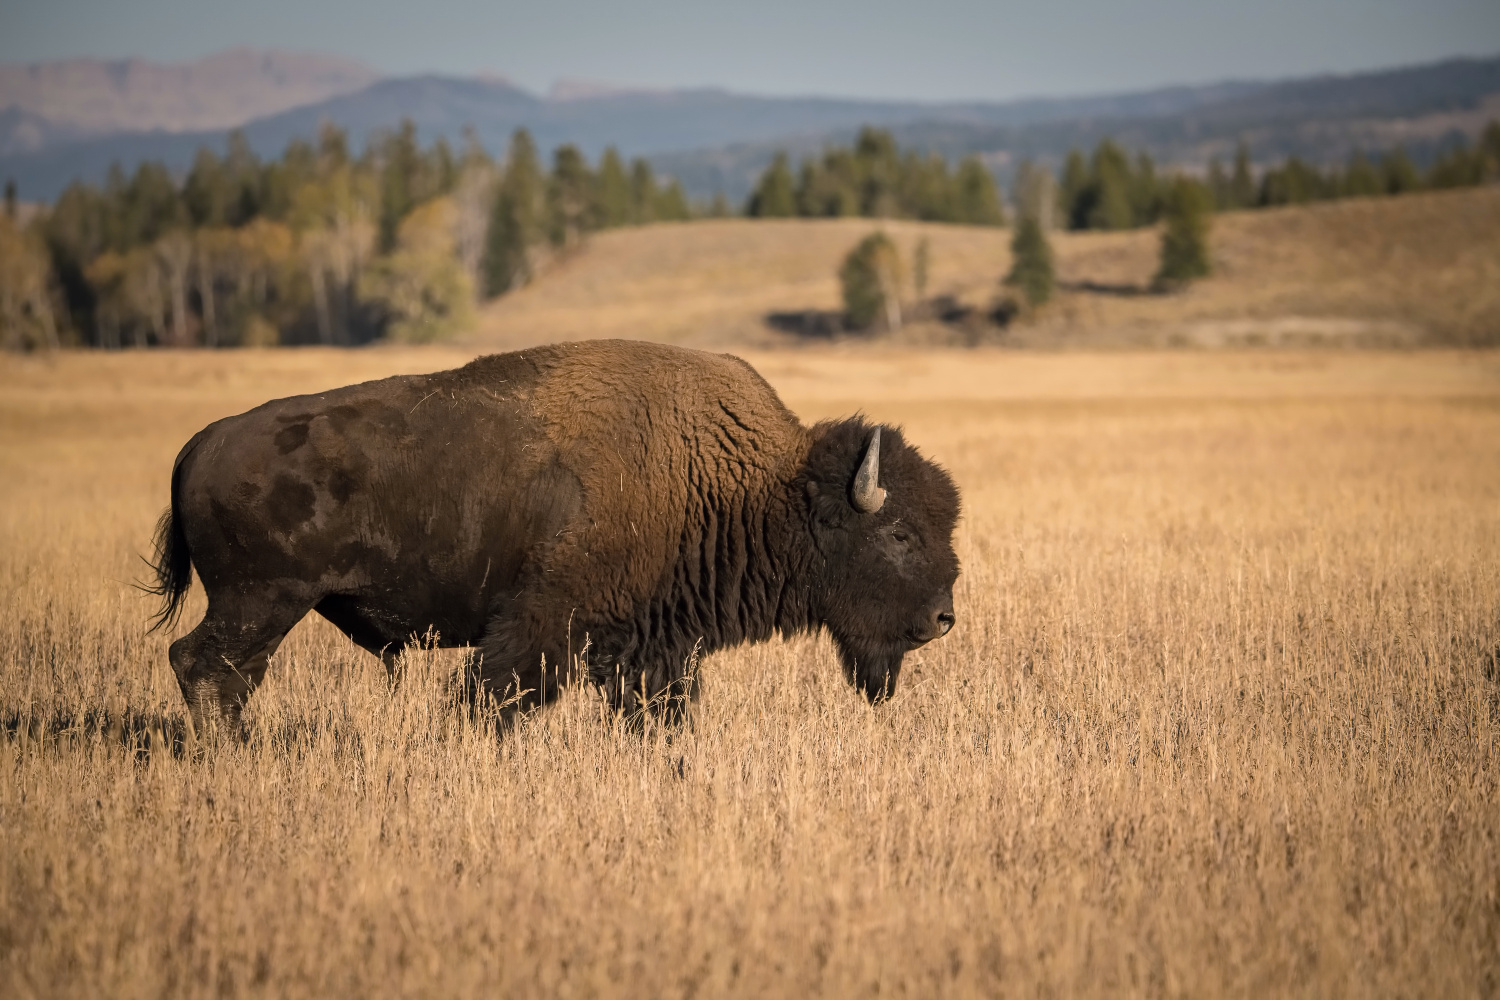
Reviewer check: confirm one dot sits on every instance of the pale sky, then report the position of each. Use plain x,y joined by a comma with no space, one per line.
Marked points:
925,49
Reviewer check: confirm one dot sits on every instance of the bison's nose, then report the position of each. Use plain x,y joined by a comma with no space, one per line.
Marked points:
944,622
939,621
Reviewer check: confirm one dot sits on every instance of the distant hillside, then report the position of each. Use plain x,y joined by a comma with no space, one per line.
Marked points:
132,95
1321,119
638,122
1419,269
713,140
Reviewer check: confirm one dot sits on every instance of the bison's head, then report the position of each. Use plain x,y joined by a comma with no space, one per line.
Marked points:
882,520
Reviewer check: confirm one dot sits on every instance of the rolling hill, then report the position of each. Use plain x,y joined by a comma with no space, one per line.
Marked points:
1421,269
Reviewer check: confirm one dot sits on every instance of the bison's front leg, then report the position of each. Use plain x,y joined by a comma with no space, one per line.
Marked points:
523,662
637,685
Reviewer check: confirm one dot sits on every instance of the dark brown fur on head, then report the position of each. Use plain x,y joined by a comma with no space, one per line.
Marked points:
887,583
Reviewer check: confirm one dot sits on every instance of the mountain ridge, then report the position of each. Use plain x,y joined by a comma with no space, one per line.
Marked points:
715,140
221,90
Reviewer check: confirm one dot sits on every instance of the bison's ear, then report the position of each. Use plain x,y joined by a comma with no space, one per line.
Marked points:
826,505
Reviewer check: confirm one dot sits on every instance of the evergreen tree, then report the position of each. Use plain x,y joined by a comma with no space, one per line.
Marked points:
400,180
612,202
208,192
878,169
925,191
1108,193
840,178
440,173
515,220
809,193
1031,271
1242,182
1293,183
1489,152
77,231
10,199
1218,184
976,201
333,147
1400,176
774,196
871,281
246,178
1458,167
569,201
643,192
672,203
1071,194
1145,192
828,188
281,181
149,206
1184,242
1360,179
506,261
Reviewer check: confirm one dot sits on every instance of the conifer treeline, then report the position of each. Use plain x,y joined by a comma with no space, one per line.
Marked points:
1111,190
401,241
875,179
317,246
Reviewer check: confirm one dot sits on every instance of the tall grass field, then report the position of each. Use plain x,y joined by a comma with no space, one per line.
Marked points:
1219,718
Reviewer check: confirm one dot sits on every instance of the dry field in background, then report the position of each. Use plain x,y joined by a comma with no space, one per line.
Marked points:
1382,271
1219,718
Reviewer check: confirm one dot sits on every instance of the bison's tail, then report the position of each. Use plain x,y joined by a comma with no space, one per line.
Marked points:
172,564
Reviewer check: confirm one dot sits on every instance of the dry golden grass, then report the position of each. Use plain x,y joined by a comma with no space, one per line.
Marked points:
1220,718
1386,271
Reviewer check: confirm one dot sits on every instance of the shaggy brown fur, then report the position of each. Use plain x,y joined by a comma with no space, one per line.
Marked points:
614,504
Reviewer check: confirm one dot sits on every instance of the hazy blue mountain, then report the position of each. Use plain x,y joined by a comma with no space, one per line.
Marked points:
714,140
639,123
1323,119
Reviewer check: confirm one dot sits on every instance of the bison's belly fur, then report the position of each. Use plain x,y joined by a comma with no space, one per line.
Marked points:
641,501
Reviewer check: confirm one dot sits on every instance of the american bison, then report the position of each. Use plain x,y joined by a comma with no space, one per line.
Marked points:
654,500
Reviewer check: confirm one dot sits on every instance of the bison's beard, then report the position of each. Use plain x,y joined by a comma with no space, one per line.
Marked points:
871,668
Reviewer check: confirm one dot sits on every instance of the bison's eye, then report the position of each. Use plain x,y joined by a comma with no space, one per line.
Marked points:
901,535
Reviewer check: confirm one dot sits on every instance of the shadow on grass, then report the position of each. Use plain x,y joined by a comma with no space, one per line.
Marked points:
809,324
969,324
1123,290
134,734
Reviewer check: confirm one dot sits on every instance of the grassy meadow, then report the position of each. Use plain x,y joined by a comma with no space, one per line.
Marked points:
1219,717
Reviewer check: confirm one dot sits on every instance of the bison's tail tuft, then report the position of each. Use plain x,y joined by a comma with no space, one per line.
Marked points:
173,569
172,563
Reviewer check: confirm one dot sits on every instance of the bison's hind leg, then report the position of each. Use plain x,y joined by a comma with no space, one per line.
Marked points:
220,663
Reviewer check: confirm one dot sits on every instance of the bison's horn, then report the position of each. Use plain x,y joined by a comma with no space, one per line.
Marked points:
868,496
